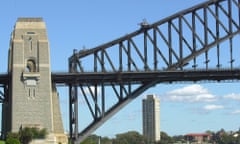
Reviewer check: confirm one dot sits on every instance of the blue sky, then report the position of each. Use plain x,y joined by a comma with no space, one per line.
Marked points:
75,24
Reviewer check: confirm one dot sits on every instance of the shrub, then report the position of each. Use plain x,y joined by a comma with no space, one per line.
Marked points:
39,134
12,141
26,135
13,135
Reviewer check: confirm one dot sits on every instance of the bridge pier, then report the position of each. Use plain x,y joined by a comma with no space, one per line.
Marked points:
33,99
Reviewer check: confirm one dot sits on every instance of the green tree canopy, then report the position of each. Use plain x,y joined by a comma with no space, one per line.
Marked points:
165,139
26,135
12,141
131,137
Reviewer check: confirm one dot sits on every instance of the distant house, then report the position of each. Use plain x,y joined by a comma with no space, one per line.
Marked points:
198,137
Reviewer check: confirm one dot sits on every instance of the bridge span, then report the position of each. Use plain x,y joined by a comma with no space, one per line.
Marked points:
109,78
199,43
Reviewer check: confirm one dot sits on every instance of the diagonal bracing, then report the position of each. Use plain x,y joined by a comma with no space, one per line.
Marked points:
199,43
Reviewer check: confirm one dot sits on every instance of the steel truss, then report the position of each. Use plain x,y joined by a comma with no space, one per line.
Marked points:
194,44
4,100
4,87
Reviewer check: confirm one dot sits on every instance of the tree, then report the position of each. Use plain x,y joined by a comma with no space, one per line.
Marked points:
93,139
222,137
39,133
13,135
26,135
131,137
106,140
165,139
12,141
12,138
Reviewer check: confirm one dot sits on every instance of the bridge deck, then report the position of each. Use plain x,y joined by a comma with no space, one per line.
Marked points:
138,77
141,77
4,78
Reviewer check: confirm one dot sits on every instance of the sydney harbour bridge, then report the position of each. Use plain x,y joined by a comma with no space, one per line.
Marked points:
200,43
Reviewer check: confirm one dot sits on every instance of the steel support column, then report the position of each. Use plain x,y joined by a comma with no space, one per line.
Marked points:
158,52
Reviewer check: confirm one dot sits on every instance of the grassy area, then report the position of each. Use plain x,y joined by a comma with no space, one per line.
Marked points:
2,142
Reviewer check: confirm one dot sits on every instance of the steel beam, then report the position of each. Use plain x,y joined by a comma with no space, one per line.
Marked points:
157,53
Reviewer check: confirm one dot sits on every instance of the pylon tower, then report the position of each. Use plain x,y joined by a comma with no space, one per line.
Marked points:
33,99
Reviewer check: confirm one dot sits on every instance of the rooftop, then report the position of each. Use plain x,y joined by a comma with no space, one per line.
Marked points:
30,19
197,134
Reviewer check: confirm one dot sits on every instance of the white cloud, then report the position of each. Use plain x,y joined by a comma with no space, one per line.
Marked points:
191,93
236,112
90,90
213,107
232,96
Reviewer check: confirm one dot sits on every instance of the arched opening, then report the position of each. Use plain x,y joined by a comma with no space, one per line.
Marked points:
31,66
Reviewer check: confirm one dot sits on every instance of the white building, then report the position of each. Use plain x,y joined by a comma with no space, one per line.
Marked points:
151,118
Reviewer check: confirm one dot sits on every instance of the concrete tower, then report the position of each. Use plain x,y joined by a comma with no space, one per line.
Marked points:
151,118
33,100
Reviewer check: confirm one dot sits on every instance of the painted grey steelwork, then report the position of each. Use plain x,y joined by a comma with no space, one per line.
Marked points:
110,78
196,44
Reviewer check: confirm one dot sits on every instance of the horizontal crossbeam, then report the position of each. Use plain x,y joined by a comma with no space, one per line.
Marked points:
199,43
4,79
109,78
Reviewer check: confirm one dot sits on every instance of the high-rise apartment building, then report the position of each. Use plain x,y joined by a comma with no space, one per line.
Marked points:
151,118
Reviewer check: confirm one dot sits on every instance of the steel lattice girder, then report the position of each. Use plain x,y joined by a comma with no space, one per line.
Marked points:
86,79
155,53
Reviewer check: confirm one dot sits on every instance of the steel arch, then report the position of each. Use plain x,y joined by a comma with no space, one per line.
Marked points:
165,51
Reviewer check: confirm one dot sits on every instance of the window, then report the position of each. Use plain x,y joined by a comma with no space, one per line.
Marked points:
30,32
31,66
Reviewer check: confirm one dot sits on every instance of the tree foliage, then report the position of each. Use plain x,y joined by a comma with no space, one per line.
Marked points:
91,140
12,138
12,141
132,137
26,135
39,133
223,137
165,139
129,138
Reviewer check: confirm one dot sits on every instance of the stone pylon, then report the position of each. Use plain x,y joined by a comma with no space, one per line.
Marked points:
33,99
